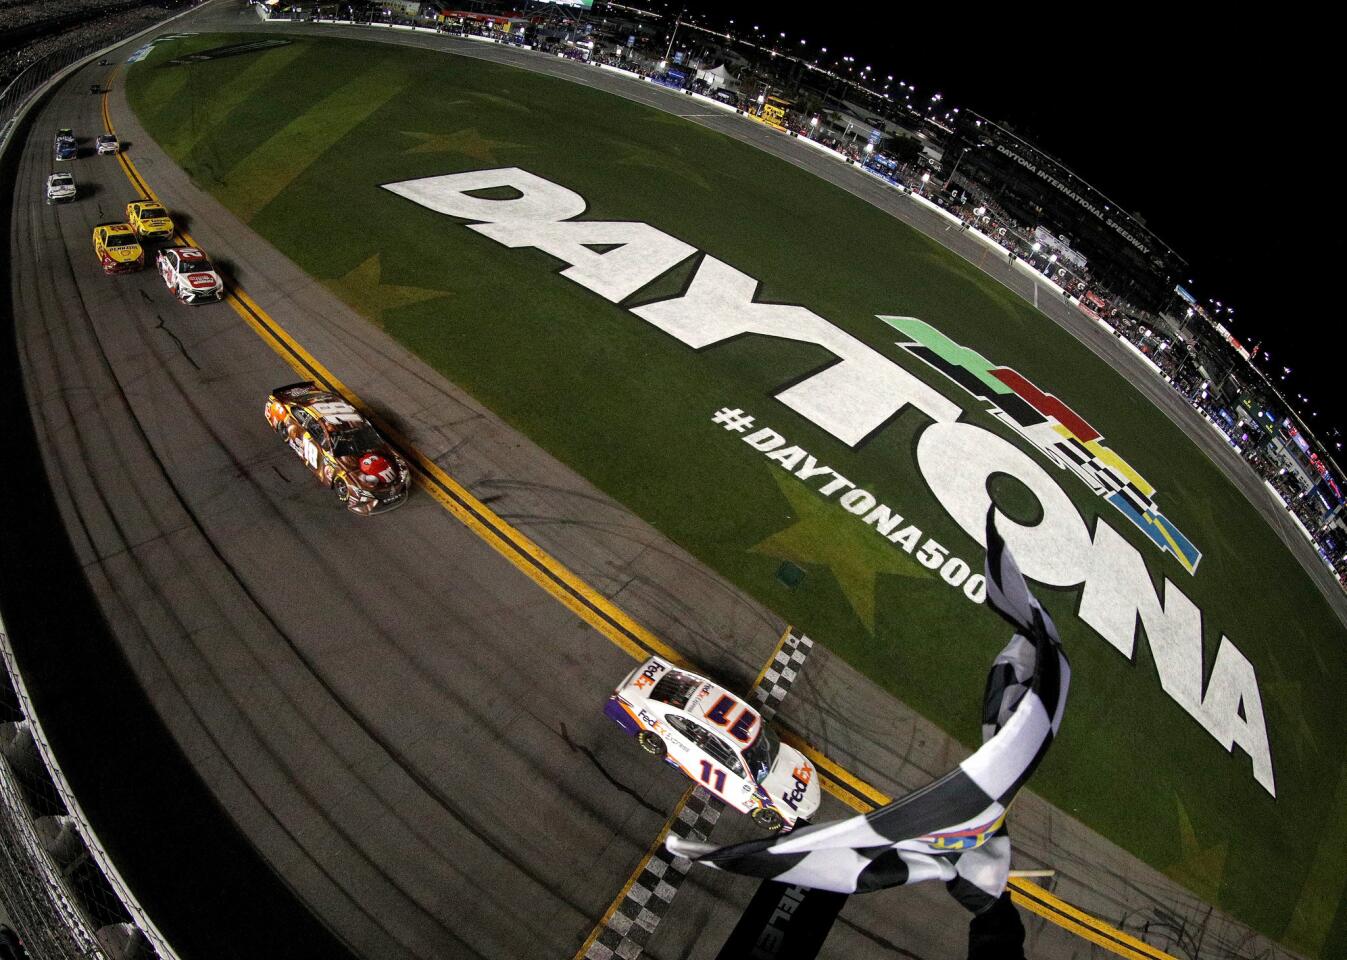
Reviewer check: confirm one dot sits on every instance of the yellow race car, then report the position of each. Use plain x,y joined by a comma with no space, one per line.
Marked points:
149,220
117,248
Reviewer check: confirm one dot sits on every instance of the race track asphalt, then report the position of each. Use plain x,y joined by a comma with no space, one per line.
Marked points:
404,727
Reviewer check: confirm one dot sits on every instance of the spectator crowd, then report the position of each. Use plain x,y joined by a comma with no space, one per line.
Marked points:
31,31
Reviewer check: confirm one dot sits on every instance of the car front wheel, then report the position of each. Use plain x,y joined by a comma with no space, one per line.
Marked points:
342,491
768,819
651,743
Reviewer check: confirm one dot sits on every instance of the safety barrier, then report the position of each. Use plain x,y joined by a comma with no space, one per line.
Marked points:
59,887
58,884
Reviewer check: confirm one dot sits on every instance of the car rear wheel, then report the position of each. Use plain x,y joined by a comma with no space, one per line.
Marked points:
651,743
768,819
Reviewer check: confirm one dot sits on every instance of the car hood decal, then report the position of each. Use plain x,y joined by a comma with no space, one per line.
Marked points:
793,783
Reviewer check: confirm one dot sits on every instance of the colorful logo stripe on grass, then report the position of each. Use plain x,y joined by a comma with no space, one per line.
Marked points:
1058,432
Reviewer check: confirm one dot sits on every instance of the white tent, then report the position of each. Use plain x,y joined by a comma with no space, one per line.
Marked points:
717,78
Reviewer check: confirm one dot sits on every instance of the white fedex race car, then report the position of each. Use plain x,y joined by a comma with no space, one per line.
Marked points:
718,740
189,275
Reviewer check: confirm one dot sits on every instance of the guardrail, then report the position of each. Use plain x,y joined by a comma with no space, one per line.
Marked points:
57,882
34,78
56,879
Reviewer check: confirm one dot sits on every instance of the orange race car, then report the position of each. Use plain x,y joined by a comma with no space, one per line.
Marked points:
340,447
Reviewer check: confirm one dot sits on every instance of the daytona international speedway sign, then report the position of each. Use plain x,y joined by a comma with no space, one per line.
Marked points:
855,397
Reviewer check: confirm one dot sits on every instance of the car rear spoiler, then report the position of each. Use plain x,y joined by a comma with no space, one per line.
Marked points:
302,387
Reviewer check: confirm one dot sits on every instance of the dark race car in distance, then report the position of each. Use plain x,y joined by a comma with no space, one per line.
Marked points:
340,446
65,145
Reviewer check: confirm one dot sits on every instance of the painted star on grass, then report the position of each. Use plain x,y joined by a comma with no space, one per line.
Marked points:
640,158
466,142
1325,883
1200,868
500,101
1281,689
364,289
825,535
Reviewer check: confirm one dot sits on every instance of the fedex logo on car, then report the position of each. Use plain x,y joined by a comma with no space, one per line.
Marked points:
648,675
802,775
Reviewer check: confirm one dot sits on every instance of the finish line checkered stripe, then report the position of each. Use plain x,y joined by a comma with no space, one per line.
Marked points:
630,927
777,681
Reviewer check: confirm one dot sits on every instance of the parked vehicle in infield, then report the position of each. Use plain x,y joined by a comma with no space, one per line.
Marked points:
718,740
340,446
107,143
61,188
189,275
149,219
65,145
117,248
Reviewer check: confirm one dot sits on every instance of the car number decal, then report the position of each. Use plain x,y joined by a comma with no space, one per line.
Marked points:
709,771
336,410
741,727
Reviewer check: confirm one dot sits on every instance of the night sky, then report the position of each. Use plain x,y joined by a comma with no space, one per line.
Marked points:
1210,128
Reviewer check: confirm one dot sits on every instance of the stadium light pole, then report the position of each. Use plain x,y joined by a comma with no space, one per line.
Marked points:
955,169
678,22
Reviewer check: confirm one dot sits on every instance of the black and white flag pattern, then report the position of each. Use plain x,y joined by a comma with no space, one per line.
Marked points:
953,829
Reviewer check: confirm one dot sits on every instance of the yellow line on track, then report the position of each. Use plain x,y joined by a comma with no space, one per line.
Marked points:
591,606
635,875
536,563
785,635
1037,900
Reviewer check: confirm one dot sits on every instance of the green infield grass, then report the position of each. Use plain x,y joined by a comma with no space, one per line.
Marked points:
297,141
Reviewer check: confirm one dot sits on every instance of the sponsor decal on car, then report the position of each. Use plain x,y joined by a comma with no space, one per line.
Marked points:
803,776
649,674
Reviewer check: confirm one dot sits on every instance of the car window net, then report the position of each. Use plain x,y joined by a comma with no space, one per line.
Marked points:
761,754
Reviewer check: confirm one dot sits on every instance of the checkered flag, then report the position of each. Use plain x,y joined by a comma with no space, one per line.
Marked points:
953,829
